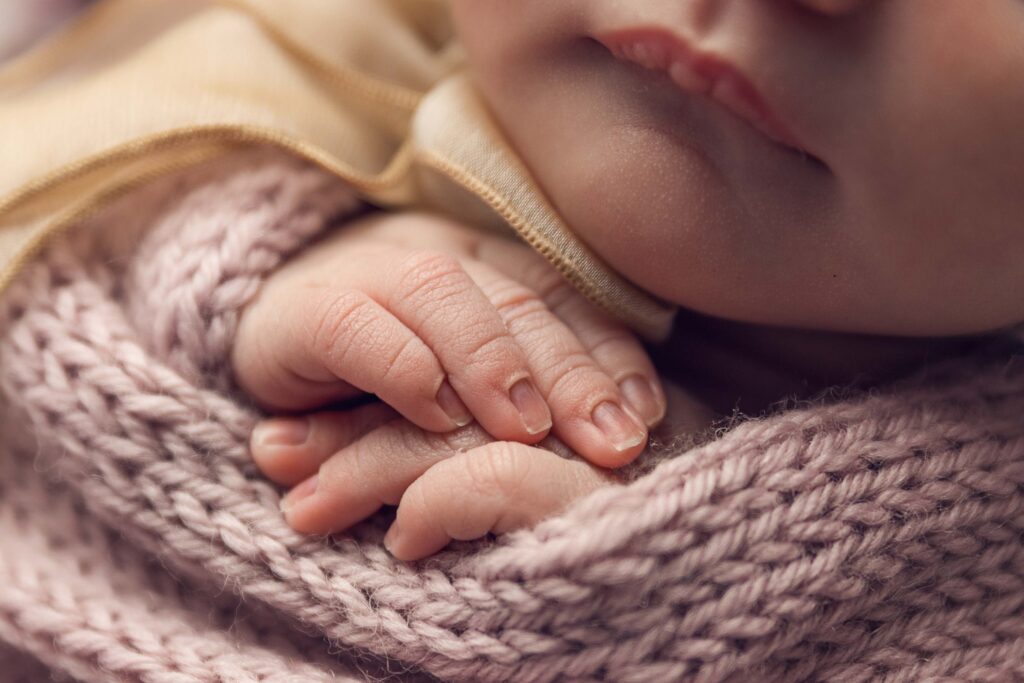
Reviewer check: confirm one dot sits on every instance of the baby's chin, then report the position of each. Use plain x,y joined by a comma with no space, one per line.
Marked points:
666,217
662,213
689,205
697,209
653,213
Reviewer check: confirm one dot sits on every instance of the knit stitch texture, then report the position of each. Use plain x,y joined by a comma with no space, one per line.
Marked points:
877,536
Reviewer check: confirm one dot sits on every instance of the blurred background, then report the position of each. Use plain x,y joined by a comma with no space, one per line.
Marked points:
22,22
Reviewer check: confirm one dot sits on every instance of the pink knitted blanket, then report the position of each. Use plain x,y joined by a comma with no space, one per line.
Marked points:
879,536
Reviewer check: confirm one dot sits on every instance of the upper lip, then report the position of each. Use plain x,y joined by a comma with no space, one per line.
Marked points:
702,73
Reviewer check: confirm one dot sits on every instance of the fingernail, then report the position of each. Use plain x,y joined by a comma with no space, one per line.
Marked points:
453,406
531,406
619,428
640,396
391,536
299,493
281,432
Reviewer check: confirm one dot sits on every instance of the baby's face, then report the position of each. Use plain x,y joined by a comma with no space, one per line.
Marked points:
851,165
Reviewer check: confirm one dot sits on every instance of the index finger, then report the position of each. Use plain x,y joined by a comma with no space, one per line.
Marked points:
437,299
612,346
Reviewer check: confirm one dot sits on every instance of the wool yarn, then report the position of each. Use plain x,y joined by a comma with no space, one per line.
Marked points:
879,536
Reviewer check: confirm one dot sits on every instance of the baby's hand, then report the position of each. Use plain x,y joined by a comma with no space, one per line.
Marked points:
460,485
445,324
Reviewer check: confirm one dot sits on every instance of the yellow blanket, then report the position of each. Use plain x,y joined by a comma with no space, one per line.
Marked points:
372,90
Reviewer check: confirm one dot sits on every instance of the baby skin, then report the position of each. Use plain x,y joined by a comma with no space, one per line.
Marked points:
476,347
834,183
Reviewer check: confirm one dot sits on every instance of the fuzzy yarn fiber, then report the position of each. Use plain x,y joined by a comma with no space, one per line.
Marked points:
878,536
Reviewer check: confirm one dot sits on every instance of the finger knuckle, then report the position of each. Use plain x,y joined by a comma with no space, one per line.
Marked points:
431,275
552,287
404,437
440,445
499,469
464,439
362,462
613,341
335,319
413,441
518,305
575,375
411,366
490,356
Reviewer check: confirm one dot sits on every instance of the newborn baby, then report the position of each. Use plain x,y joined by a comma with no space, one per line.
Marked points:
833,183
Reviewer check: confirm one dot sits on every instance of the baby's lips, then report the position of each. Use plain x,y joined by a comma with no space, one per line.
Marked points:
707,74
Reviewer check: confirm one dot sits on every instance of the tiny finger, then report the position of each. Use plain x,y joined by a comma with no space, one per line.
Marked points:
443,306
290,449
586,404
612,346
353,337
499,487
619,353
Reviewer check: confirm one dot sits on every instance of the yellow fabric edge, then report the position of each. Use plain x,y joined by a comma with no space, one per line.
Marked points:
78,214
384,187
655,328
230,133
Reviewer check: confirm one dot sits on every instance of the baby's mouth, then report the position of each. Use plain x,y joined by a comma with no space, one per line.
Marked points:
707,75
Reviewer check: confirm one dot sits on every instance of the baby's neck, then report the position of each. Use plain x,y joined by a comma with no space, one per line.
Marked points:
741,366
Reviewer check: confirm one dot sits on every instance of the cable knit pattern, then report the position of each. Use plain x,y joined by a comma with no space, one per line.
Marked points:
204,259
878,537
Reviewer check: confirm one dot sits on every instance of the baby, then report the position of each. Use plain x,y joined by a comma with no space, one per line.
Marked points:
831,186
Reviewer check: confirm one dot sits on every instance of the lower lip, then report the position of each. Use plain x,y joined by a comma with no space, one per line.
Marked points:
705,75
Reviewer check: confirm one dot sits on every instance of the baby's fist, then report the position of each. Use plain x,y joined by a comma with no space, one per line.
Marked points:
448,325
455,486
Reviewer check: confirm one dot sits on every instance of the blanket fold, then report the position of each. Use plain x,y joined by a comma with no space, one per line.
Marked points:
876,537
